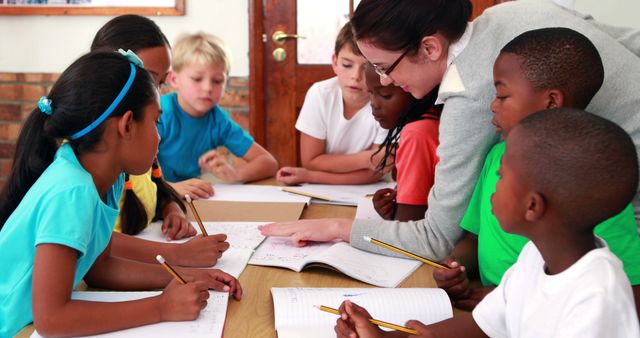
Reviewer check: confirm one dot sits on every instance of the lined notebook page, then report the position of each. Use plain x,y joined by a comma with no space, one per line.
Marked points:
279,251
255,193
365,210
296,316
243,237
209,324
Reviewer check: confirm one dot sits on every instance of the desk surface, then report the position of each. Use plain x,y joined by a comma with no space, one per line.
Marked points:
253,315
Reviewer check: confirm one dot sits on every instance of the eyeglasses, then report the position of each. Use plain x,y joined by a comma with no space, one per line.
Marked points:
384,73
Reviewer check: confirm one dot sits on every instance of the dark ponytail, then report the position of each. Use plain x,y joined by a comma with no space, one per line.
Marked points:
400,25
424,108
166,193
82,93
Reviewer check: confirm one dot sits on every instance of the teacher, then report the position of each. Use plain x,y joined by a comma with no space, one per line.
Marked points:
420,44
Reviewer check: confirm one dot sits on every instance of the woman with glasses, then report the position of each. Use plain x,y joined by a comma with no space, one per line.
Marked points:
420,44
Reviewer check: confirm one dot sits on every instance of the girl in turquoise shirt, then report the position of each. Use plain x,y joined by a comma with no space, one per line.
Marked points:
59,205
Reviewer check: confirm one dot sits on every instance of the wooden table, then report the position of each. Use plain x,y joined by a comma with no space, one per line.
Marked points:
253,315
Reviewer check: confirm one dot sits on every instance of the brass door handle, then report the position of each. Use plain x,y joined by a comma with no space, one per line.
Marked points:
279,37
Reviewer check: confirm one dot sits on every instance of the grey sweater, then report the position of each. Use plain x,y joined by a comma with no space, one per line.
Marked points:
466,134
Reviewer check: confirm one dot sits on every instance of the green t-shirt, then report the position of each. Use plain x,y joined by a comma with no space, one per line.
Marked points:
498,250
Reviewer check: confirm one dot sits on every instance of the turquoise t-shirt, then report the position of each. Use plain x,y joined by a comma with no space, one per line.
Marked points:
62,207
498,250
183,139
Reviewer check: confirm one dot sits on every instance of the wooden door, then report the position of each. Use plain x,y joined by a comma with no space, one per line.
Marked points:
277,88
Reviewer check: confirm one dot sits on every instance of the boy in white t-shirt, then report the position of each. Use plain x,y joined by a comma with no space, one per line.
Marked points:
338,134
563,171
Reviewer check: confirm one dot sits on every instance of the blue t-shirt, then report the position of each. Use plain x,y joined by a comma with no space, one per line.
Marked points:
183,139
62,207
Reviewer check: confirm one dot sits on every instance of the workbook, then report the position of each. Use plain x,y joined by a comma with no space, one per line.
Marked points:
243,237
255,193
209,324
296,315
337,194
364,266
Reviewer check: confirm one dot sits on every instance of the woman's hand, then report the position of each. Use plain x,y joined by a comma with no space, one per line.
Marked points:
314,230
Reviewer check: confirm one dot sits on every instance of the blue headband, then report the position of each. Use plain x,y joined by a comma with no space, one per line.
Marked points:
111,108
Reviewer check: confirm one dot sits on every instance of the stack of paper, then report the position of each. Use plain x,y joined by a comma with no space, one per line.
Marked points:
255,193
338,194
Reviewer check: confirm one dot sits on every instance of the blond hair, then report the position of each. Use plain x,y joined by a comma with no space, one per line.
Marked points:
200,48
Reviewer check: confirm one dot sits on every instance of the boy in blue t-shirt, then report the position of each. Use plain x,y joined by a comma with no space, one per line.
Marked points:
540,69
192,125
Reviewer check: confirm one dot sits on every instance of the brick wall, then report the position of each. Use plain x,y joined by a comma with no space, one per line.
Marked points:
19,93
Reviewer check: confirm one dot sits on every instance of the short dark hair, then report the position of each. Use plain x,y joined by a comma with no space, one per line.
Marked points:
399,25
129,31
344,38
584,164
559,58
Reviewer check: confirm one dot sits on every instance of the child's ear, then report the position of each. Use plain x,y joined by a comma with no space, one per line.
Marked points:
125,125
334,63
536,206
433,47
555,99
171,78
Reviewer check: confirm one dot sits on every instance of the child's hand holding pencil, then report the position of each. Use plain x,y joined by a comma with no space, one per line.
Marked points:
355,321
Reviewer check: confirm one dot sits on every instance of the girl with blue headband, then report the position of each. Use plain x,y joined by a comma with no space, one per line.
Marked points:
60,203
148,196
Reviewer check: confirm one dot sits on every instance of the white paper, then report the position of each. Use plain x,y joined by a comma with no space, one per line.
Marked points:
209,324
296,315
365,266
365,210
255,193
243,238
341,194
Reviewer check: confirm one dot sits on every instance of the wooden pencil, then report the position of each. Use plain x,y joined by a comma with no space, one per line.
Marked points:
373,321
293,191
173,272
406,253
195,214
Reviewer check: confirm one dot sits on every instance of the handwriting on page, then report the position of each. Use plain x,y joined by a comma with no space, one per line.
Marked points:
279,251
239,234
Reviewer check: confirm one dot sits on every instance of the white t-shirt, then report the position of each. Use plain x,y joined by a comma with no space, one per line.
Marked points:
322,117
592,298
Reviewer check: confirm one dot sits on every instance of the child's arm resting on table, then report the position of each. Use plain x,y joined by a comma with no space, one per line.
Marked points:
297,175
354,322
313,157
56,314
195,187
260,164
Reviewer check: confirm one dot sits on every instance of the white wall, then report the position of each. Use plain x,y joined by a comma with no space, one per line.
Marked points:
48,44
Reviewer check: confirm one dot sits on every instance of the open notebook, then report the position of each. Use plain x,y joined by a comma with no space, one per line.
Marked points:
209,324
296,316
368,267
243,237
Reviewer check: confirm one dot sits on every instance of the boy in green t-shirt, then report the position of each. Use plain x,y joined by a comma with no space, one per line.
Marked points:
540,69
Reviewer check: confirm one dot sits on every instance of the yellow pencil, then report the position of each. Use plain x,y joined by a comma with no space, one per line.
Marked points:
173,272
324,198
406,253
195,214
373,321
